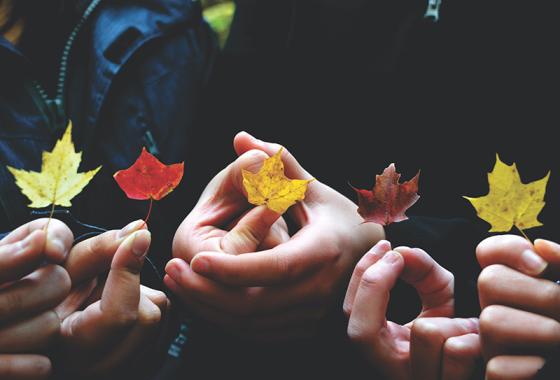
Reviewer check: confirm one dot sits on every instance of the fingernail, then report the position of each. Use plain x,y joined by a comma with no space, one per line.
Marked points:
392,257
140,243
200,265
532,262
130,228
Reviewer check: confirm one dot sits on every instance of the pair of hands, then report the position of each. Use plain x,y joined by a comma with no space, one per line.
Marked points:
243,271
55,300
520,320
433,346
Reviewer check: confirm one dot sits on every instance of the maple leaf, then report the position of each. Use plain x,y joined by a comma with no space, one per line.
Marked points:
270,186
59,180
149,178
510,202
389,199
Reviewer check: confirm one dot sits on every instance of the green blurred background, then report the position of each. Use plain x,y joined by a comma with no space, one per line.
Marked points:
219,14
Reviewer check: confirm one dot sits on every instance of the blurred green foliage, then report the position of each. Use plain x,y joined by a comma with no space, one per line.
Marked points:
219,14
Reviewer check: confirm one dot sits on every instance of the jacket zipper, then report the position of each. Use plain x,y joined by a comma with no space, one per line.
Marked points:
54,108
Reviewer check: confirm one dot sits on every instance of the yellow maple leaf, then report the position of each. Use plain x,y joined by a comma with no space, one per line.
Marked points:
510,202
59,180
272,188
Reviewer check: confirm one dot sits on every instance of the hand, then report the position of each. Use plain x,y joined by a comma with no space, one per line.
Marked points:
278,293
31,286
120,316
433,346
520,320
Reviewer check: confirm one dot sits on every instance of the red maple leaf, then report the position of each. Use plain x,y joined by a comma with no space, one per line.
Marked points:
148,178
389,199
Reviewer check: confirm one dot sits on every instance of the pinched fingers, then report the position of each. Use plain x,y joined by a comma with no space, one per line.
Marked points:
512,251
93,256
56,242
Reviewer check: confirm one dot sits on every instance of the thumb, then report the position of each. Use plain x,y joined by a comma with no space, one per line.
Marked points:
244,142
122,289
250,231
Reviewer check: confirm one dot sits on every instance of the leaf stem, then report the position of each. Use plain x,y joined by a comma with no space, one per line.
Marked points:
523,233
149,212
50,217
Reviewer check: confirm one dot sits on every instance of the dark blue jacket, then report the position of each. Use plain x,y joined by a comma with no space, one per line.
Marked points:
133,76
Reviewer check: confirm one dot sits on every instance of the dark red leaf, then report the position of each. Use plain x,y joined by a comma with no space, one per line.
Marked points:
148,178
389,199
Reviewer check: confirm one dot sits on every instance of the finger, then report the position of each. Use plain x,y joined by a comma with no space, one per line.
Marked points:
223,200
372,297
514,367
280,265
145,330
22,257
24,367
501,285
461,357
244,142
31,335
189,285
41,290
75,299
433,283
58,240
370,258
504,330
277,235
122,289
550,252
250,231
427,340
512,251
93,256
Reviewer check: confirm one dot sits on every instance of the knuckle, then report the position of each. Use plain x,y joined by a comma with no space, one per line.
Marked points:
59,276
489,277
12,303
490,317
150,316
425,328
551,296
494,369
124,319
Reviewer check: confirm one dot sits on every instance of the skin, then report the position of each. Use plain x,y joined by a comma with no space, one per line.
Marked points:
32,283
515,293
281,291
434,345
120,315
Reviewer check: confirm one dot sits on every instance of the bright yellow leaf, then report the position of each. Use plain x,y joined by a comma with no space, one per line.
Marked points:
272,188
510,202
59,180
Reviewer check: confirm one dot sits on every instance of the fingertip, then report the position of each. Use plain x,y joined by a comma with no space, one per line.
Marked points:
382,245
59,240
201,264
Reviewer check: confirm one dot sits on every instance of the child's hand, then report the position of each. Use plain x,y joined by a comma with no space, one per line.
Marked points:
119,316
520,320
434,346
31,286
